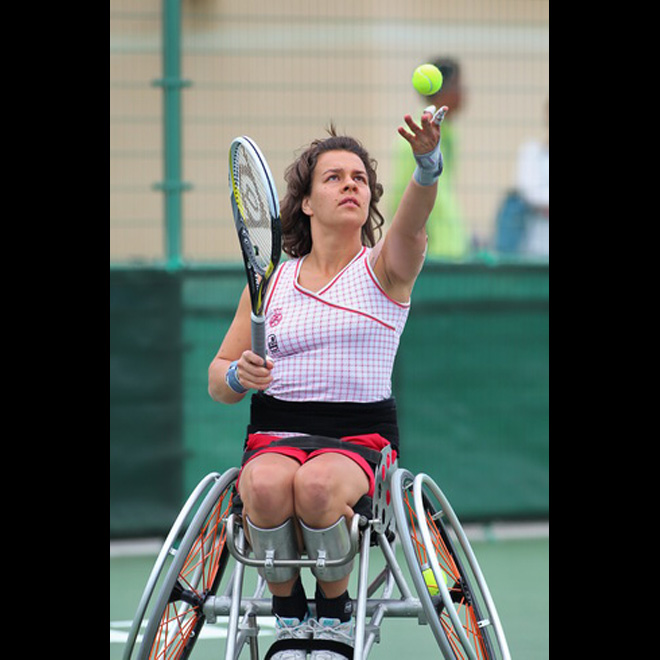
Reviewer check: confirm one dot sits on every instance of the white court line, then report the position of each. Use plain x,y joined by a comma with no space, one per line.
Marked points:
507,531
135,547
495,531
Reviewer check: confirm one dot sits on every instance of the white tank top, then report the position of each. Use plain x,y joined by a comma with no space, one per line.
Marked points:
336,344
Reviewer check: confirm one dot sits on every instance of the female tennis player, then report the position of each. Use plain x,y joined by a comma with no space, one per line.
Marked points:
323,407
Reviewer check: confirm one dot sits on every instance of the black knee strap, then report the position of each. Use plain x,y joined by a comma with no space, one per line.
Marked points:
310,645
312,442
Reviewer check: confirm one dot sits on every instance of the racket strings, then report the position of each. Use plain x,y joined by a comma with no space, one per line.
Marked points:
254,198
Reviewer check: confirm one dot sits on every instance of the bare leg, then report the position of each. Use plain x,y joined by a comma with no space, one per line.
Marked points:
325,489
266,488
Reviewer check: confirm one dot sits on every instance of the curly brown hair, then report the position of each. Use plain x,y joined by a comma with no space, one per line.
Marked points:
296,232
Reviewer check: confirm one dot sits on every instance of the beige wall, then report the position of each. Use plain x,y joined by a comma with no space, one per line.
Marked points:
280,71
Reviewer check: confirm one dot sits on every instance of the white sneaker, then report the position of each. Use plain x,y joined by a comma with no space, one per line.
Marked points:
291,629
332,629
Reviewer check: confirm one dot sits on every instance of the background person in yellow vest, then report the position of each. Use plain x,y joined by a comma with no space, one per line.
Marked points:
446,230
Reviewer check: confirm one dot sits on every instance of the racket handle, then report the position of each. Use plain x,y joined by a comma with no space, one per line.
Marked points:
259,336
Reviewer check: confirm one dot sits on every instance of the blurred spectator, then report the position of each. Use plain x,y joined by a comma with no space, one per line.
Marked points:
523,221
445,228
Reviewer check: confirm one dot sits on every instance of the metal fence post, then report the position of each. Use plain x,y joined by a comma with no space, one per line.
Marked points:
171,82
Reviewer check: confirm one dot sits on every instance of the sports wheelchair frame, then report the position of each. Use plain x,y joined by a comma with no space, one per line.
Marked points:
181,592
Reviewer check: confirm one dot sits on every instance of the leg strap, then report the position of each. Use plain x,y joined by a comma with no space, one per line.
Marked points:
313,442
275,543
332,542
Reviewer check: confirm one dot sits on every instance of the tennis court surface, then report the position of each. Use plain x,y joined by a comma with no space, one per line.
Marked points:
515,562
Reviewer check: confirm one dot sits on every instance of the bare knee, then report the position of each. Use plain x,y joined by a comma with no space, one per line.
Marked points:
318,495
313,489
266,489
326,487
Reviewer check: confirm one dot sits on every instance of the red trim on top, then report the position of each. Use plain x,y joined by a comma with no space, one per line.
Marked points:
346,309
272,286
342,271
374,279
316,296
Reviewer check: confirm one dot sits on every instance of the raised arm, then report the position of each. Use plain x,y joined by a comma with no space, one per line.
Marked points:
398,258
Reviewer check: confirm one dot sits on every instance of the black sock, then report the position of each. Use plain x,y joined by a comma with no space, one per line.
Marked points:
333,608
293,606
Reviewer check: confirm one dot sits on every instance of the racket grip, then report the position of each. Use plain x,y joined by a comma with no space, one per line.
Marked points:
259,336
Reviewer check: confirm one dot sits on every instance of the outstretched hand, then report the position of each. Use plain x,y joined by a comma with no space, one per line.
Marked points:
426,136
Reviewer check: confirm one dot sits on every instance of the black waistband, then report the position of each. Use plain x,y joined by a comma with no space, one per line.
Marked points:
336,420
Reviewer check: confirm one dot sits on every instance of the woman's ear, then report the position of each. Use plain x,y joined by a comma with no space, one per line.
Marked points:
305,206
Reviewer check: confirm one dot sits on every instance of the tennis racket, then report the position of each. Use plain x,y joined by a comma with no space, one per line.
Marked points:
256,211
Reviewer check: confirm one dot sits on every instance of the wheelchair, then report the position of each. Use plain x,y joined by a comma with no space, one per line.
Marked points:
207,541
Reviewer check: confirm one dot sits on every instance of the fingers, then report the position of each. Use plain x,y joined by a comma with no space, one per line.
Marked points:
430,119
413,126
404,134
252,373
423,137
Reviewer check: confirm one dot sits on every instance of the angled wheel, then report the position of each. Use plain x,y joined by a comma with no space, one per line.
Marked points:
176,617
461,614
168,549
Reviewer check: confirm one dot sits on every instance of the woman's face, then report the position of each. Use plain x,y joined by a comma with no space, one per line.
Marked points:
340,193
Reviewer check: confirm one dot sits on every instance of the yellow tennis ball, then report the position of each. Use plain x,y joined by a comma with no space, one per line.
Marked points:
429,578
427,79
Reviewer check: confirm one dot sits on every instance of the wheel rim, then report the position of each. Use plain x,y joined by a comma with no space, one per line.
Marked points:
198,577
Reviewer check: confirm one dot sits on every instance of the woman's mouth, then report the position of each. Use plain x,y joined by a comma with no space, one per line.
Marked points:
352,201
